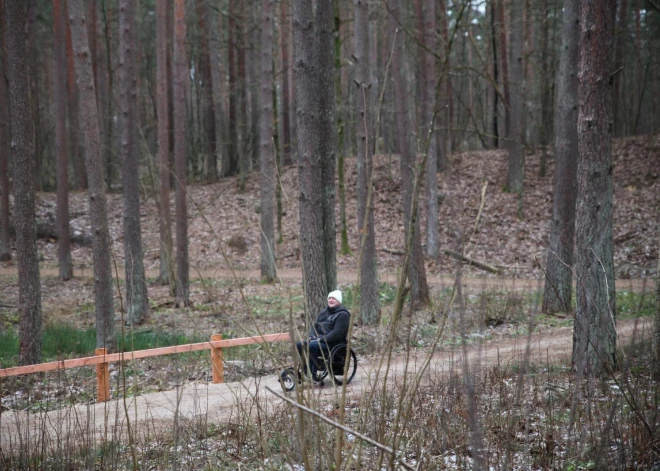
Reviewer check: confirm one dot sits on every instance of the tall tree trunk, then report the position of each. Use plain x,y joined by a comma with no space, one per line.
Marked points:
368,276
558,290
61,164
496,95
416,268
5,248
137,302
516,173
33,73
242,96
428,139
166,272
231,159
443,135
76,150
656,327
594,333
179,104
22,146
342,118
325,64
106,99
285,112
309,165
505,72
210,161
546,85
103,289
267,175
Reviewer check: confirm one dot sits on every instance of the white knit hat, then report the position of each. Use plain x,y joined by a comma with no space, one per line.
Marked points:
335,294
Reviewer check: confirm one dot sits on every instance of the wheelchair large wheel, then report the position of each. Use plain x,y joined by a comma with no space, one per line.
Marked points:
288,379
340,374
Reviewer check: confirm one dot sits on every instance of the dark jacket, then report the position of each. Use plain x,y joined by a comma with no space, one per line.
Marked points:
332,325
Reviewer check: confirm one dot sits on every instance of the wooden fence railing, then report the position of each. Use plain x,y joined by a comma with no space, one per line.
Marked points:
102,359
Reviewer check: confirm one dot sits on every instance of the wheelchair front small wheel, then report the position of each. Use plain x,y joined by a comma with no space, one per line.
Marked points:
288,379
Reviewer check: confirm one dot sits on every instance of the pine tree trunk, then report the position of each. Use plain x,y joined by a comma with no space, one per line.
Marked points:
342,110
33,77
428,139
61,160
210,161
594,334
5,248
103,289
515,176
137,302
416,268
106,99
180,69
505,72
325,85
22,146
267,157
368,275
244,162
165,219
495,112
76,150
285,112
230,165
309,179
559,275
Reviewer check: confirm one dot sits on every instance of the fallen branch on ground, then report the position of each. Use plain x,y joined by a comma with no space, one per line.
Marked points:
469,261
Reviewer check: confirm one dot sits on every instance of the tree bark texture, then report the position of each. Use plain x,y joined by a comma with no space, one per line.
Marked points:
504,58
103,289
61,160
656,327
230,164
76,148
515,175
137,302
325,64
368,276
619,95
310,179
594,334
210,160
416,268
244,162
22,151
180,69
267,158
495,108
428,139
5,248
285,112
164,171
559,275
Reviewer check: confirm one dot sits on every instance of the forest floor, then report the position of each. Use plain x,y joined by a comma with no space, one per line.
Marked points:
224,259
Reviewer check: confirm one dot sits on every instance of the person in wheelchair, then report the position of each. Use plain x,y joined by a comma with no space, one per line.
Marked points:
329,329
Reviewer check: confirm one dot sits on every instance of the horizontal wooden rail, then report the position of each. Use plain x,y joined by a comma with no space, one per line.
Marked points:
103,359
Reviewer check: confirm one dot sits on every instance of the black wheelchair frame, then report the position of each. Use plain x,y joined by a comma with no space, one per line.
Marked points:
289,377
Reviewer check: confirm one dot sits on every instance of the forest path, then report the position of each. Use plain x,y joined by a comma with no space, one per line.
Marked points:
200,404
345,276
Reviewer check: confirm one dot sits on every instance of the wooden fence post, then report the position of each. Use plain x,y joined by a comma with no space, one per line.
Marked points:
102,377
216,361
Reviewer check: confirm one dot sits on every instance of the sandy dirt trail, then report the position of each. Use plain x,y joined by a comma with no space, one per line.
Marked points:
204,403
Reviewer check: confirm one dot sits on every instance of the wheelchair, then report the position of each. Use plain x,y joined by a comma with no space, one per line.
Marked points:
333,366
